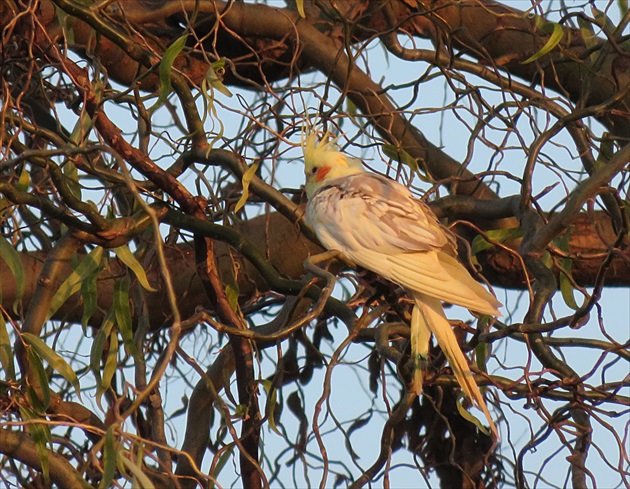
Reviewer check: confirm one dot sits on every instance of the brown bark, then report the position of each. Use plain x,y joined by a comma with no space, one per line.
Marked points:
279,239
498,36
20,447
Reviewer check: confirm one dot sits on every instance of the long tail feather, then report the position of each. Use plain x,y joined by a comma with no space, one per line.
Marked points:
435,320
420,339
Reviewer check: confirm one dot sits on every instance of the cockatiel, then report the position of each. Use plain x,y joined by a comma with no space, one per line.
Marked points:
378,224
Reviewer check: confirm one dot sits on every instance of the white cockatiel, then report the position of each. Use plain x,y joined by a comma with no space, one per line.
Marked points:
378,224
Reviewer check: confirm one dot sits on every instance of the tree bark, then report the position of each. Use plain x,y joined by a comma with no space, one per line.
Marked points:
275,237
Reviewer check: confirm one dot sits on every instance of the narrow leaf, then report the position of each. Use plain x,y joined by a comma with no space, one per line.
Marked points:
6,350
469,417
125,255
300,8
141,480
89,296
231,292
111,363
400,155
607,25
552,42
272,400
166,66
24,181
12,258
481,356
96,354
41,436
589,37
122,311
223,459
66,22
566,288
247,178
214,77
53,359
72,284
98,344
495,236
71,173
42,402
109,460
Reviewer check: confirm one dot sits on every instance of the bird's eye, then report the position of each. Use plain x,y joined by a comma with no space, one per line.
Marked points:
314,171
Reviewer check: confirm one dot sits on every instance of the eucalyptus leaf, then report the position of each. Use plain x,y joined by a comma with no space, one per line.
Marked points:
12,258
557,33
125,255
247,178
87,266
53,359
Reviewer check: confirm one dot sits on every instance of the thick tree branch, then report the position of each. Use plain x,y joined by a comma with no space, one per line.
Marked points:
19,446
275,237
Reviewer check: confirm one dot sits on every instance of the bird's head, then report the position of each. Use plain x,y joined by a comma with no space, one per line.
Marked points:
323,161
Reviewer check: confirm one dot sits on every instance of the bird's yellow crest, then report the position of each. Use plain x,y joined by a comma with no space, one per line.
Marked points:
324,162
316,148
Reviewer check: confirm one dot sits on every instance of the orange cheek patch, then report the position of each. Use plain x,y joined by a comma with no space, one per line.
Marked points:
321,173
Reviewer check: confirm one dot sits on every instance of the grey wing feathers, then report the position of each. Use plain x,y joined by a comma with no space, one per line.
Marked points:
385,216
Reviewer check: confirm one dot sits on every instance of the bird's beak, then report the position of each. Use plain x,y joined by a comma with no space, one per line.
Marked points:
321,173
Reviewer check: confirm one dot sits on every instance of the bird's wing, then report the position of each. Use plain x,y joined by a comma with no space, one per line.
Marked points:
432,273
379,225
374,212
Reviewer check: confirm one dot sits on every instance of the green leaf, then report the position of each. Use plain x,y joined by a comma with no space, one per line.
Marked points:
110,454
232,293
89,296
125,255
589,37
223,459
300,8
6,350
607,25
214,77
12,258
66,22
37,367
606,150
481,356
480,243
557,33
469,417
241,411
400,155
122,311
71,173
72,284
623,7
53,359
98,344
41,436
247,178
24,181
351,108
96,354
566,287
111,362
272,400
84,125
140,478
166,66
